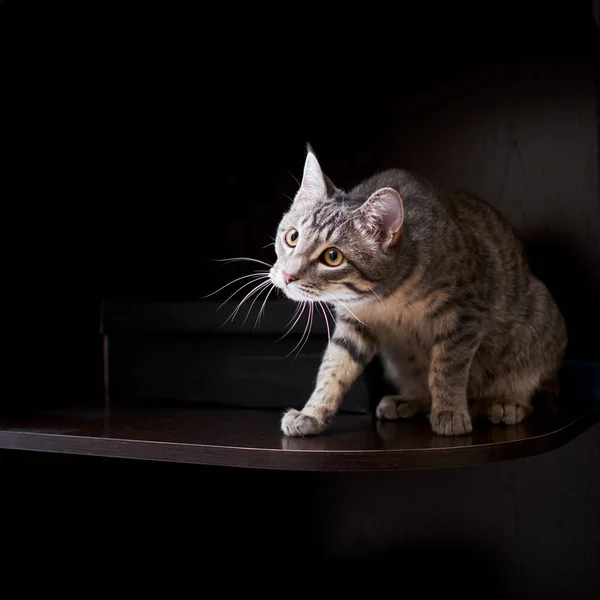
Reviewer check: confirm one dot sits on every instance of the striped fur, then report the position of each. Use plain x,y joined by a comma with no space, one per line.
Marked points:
438,285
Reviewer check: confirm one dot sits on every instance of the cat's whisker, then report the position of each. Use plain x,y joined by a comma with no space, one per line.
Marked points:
306,332
242,258
234,281
326,321
346,307
258,288
303,306
332,315
295,178
305,329
262,308
267,245
309,330
346,222
376,295
252,304
298,307
258,278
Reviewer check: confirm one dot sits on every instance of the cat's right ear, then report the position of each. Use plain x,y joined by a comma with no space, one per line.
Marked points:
315,184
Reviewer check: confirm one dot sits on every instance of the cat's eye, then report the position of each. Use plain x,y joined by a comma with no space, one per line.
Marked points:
292,237
332,257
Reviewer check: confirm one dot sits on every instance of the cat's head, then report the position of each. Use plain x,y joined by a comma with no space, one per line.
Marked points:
332,247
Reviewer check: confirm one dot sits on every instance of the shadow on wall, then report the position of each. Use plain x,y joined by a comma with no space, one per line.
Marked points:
569,274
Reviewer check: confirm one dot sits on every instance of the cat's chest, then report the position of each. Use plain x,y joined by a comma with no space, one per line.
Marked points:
394,323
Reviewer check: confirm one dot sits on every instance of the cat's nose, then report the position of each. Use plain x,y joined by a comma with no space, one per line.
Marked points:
288,278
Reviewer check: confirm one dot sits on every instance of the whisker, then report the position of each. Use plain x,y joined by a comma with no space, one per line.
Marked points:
295,178
252,304
248,295
376,295
267,245
303,305
348,221
326,321
332,315
298,307
262,308
310,316
232,282
242,258
258,278
305,329
346,307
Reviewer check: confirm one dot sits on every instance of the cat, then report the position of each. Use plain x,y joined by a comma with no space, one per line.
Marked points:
434,281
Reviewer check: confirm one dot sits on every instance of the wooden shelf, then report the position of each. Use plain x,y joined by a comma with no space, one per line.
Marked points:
251,438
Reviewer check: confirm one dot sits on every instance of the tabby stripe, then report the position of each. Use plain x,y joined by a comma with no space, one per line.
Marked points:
316,216
361,272
448,336
443,309
353,288
328,223
454,369
357,355
436,287
329,231
466,317
358,327
470,301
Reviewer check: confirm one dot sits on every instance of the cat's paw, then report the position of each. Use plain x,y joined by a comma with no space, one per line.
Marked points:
507,413
391,408
296,423
451,422
386,409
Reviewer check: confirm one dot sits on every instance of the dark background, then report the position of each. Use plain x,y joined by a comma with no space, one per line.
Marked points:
164,140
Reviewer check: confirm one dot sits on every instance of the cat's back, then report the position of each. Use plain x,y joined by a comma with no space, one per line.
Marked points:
434,210
416,191
425,203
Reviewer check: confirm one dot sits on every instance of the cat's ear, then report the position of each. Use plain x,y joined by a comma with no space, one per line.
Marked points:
315,184
383,215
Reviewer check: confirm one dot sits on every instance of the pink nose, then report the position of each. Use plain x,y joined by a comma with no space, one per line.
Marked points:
288,278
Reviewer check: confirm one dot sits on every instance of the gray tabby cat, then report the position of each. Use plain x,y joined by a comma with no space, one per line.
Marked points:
433,280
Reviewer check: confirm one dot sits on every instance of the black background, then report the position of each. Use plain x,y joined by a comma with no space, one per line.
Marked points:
153,142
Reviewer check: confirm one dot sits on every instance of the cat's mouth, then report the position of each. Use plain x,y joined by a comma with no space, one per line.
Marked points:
294,290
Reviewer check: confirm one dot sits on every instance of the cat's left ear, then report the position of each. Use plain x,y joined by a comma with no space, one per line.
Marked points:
383,216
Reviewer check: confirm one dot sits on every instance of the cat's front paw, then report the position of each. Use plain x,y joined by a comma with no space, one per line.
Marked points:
296,423
450,422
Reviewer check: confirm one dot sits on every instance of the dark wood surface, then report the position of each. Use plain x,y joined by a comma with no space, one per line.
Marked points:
251,438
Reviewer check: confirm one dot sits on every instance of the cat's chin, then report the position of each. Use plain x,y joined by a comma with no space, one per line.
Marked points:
298,296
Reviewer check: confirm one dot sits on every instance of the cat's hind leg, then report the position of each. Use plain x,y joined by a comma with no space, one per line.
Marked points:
394,407
505,405
506,412
406,370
